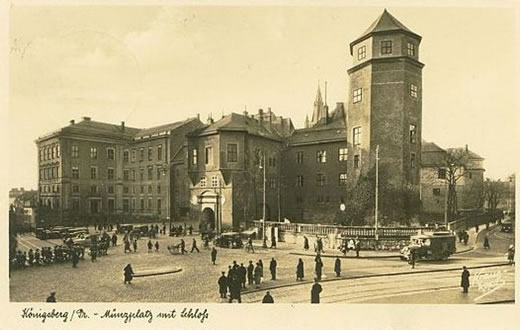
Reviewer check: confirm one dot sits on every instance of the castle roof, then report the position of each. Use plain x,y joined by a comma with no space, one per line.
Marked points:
384,23
163,128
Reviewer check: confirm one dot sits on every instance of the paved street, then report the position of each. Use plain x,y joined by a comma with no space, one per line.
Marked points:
364,280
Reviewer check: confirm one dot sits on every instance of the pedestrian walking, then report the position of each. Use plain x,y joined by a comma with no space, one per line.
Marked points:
299,270
150,246
194,246
128,272
127,246
249,246
464,281
52,297
268,299
258,274
357,246
315,292
250,270
318,267
222,285
75,258
337,267
242,272
93,253
305,243
213,255
272,268
156,246
273,242
190,229
183,246
511,254
135,245
114,239
476,228
261,270
206,242
486,241
412,258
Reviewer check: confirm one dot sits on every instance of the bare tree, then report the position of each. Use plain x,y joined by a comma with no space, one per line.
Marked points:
493,192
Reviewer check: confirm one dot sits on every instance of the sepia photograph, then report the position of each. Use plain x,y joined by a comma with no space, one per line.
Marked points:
217,154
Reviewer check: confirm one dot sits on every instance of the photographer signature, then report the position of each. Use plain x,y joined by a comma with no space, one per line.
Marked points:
488,282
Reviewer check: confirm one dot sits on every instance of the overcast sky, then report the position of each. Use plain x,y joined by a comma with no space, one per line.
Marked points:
153,65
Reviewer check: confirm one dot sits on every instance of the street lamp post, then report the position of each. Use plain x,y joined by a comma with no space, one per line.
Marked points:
377,192
262,166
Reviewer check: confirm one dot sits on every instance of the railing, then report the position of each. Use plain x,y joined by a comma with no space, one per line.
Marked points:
475,220
346,231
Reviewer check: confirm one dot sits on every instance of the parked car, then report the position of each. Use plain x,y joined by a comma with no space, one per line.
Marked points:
229,240
123,229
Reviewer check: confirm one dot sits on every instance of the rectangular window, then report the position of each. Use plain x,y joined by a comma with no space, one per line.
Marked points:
142,189
299,181
320,179
133,175
299,200
357,95
436,192
75,205
203,182
52,152
134,204
110,189
356,161
412,160
141,174
441,173
133,155
214,181
75,172
159,169
232,153
413,91
126,190
150,172
356,136
150,189
470,175
410,49
141,201
272,183
93,172
149,203
126,205
93,153
413,133
342,154
111,174
159,206
299,157
159,152
111,153
126,175
158,189
194,156
126,156
111,205
321,156
150,151
93,189
58,153
386,47
75,189
141,154
361,52
342,179
209,155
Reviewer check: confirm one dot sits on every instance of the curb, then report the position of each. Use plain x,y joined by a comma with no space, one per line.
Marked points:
345,257
374,275
158,273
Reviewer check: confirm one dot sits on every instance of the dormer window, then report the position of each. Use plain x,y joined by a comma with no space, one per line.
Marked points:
386,47
362,52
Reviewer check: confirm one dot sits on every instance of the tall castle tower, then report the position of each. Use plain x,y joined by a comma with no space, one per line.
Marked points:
385,101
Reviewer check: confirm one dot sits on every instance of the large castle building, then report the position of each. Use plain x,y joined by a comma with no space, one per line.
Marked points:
214,173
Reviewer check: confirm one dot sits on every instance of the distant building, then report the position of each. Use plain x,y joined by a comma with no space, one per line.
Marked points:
23,208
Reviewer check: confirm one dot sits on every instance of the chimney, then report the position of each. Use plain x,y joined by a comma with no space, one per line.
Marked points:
198,116
209,121
123,126
72,122
466,148
270,114
261,118
245,113
86,118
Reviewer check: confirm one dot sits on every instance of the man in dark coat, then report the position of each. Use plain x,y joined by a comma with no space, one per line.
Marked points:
357,247
75,258
150,246
305,243
464,281
268,299
299,270
213,255
234,290
51,298
337,267
183,247
156,246
315,292
273,242
486,242
412,257
194,246
128,271
242,272
318,267
250,269
114,239
222,285
272,268
135,245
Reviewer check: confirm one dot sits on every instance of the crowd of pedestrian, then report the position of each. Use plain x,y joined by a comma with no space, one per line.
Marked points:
48,255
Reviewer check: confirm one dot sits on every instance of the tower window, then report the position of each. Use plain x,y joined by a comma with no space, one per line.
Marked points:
410,49
299,181
386,47
413,133
413,91
342,154
299,157
356,136
209,155
361,52
343,179
214,181
441,174
320,179
412,160
357,95
356,161
232,153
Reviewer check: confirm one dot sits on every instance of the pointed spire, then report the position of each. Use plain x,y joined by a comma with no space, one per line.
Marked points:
306,125
318,107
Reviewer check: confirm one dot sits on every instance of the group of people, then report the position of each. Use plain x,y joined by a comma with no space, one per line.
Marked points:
178,231
48,255
463,236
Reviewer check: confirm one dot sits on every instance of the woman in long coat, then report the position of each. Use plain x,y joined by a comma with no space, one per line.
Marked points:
337,267
258,274
318,267
486,242
464,280
299,270
128,274
305,243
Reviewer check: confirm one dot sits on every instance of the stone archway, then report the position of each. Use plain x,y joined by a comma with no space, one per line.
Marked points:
208,218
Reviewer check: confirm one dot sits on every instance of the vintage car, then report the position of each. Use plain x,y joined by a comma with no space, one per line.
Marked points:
229,240
430,246
123,229
507,226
